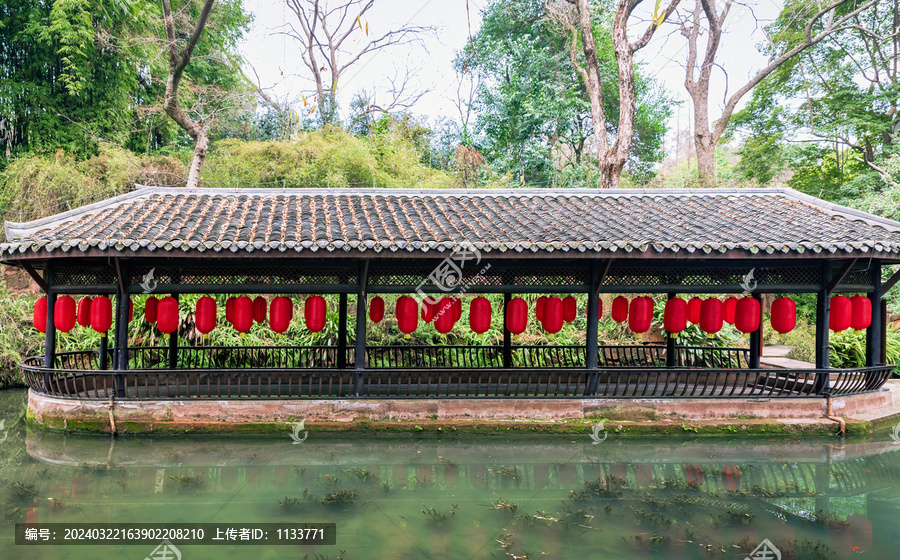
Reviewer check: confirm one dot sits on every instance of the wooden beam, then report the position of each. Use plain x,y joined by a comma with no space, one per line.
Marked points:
120,278
841,274
895,277
35,276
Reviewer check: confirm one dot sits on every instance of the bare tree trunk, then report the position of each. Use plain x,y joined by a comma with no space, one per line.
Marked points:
177,64
591,76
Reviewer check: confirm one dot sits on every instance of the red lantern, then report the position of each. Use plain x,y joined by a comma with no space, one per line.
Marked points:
151,307
539,307
675,316
516,316
730,307
711,316
640,315
64,314
101,315
553,315
130,310
260,306
861,312
746,315
407,315
281,314
443,316
570,308
376,309
205,315
429,307
784,315
694,309
83,315
167,315
39,317
314,312
457,308
840,314
619,311
480,315
600,310
229,310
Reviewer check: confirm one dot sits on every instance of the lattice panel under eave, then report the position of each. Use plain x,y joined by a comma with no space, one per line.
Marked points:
712,277
84,275
313,275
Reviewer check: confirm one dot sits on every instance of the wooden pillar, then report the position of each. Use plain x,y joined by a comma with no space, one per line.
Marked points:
50,335
756,338
593,328
121,341
342,332
875,330
173,344
361,309
507,336
671,351
822,311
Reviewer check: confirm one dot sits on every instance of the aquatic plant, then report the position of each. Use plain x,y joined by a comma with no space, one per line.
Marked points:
511,473
340,498
188,481
436,517
363,474
502,504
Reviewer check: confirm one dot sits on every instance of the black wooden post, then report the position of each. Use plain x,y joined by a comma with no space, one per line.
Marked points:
507,336
342,332
173,343
593,328
50,335
756,338
874,332
121,342
671,351
822,311
361,311
104,352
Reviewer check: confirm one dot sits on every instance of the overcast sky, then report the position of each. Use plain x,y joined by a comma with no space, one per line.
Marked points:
276,59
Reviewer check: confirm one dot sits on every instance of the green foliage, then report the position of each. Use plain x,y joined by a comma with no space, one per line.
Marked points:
18,339
847,349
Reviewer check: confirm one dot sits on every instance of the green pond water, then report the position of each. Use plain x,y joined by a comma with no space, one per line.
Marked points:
414,496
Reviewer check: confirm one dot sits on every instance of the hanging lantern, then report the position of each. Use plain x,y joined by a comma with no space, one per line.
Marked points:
861,312
314,312
229,310
746,315
600,310
712,313
553,315
376,309
39,317
151,306
457,308
260,306
784,315
130,310
101,315
242,314
280,315
694,309
640,315
429,307
730,306
570,308
167,315
539,307
407,315
480,315
83,315
619,311
64,314
205,315
443,315
675,316
516,316
840,315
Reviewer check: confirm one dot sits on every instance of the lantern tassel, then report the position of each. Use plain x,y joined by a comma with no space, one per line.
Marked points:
638,335
710,335
746,335
406,336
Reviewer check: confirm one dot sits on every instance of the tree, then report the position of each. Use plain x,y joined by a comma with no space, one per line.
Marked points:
327,35
824,22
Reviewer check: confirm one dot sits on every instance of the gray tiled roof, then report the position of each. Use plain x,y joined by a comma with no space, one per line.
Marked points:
747,221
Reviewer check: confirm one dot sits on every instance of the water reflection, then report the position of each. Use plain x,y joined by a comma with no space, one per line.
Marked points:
460,497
